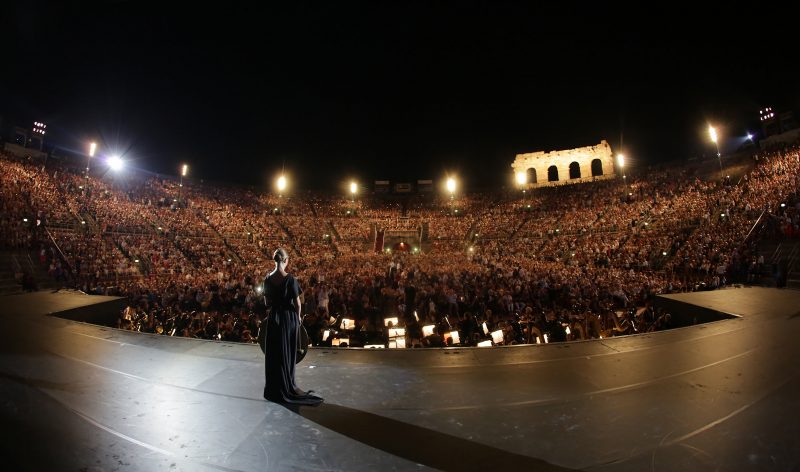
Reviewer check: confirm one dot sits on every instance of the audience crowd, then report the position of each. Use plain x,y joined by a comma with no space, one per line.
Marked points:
545,265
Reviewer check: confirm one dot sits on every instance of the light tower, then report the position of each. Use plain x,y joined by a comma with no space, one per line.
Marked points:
712,133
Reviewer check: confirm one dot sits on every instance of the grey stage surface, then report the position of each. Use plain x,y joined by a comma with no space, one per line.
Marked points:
720,396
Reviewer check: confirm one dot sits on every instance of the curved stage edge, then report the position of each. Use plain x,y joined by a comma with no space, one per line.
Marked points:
718,396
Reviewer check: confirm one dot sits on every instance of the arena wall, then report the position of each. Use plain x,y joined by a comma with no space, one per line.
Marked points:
579,160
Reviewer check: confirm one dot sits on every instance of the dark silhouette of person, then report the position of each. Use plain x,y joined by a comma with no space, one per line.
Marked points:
282,295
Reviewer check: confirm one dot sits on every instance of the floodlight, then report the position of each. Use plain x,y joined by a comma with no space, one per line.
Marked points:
522,178
115,163
282,183
184,170
621,160
712,133
451,184
353,188
92,149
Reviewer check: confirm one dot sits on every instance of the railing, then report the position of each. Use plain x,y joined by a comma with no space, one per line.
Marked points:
31,269
793,255
16,267
60,253
776,254
754,226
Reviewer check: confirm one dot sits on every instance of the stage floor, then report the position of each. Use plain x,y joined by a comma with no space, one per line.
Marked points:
719,396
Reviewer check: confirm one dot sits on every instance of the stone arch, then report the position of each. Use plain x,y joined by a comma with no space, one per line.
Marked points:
575,170
597,167
552,174
531,174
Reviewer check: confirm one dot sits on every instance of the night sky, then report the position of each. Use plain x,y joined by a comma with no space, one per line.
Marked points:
396,91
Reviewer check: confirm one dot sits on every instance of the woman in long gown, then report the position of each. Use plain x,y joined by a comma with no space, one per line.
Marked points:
282,293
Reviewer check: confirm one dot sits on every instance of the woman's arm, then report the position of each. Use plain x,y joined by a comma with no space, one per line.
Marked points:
299,308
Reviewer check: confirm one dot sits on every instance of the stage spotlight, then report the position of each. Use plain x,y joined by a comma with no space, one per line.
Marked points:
427,330
497,336
393,321
486,343
115,163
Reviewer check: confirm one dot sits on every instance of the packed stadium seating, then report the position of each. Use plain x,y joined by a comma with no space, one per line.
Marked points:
570,262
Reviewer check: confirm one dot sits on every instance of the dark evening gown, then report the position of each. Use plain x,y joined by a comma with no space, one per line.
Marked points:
282,340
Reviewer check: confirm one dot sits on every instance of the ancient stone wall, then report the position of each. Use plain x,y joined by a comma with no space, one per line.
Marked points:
571,166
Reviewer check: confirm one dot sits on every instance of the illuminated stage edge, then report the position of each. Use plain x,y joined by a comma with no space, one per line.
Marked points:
718,396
